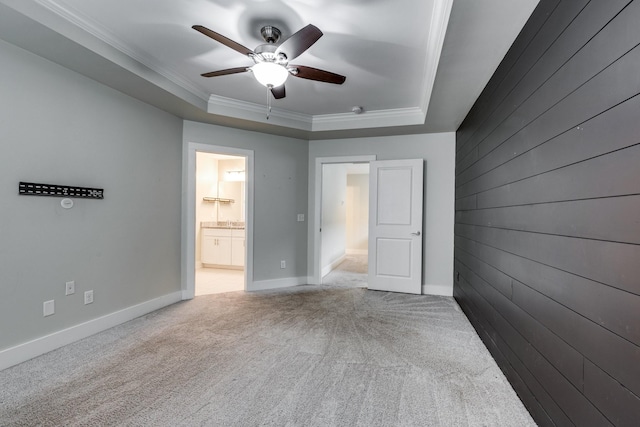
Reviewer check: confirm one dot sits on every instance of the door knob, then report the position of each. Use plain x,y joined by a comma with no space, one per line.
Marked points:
417,233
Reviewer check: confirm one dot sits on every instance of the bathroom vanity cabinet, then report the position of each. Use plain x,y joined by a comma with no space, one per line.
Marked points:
223,247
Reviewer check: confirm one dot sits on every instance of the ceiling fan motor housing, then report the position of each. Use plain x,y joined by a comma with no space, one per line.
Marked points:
268,53
270,34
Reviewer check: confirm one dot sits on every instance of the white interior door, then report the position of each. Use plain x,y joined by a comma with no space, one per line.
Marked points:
395,225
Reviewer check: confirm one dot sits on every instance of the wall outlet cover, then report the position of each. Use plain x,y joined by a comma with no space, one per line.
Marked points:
70,288
88,297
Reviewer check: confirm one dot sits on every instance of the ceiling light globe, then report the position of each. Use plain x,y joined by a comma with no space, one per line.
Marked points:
270,74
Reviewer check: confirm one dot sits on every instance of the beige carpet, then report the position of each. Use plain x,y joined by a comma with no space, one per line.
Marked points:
350,273
309,356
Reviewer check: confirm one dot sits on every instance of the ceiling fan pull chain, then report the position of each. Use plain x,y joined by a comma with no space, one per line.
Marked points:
268,102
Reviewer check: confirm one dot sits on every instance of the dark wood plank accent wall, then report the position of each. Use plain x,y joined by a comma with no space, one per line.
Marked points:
547,235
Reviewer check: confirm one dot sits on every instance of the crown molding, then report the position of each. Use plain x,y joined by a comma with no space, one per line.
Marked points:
371,119
437,31
258,113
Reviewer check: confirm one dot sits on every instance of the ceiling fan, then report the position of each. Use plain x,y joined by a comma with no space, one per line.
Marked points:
271,60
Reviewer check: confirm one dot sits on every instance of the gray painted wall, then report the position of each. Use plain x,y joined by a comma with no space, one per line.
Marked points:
61,128
547,208
439,153
357,213
280,194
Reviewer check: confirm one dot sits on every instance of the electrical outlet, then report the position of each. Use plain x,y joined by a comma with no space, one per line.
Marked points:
88,297
48,308
70,288
300,217
283,264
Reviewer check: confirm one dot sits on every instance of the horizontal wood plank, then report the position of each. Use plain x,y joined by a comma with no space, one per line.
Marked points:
467,203
604,91
577,256
610,131
609,307
562,356
535,398
616,356
552,69
619,405
574,404
545,25
605,48
494,277
616,174
615,219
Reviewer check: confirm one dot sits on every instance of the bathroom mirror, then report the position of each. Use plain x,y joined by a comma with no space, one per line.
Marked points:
233,190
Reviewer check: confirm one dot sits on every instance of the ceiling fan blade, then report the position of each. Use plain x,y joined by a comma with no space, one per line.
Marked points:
226,72
222,39
316,74
295,45
278,92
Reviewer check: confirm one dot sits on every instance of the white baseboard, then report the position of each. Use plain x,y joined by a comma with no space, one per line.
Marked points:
357,251
23,352
287,282
441,290
329,268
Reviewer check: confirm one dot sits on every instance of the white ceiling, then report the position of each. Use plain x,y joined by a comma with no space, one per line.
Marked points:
399,65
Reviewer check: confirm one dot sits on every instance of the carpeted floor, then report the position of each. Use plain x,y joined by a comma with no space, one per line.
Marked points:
305,356
350,273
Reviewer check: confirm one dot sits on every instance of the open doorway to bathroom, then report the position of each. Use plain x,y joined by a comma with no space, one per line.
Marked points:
345,224
220,241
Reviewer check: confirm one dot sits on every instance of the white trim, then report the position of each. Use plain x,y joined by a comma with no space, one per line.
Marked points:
315,206
441,290
330,267
39,346
258,113
286,282
435,42
370,119
342,121
189,214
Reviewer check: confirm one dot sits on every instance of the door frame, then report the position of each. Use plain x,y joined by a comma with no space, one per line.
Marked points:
189,214
315,276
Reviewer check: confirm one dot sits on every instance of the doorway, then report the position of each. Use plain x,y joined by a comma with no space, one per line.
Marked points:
341,221
218,200
345,221
220,223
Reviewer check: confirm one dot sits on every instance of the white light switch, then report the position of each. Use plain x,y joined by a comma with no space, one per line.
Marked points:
48,308
300,217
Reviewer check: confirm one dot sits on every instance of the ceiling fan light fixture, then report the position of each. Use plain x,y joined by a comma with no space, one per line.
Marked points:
270,74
